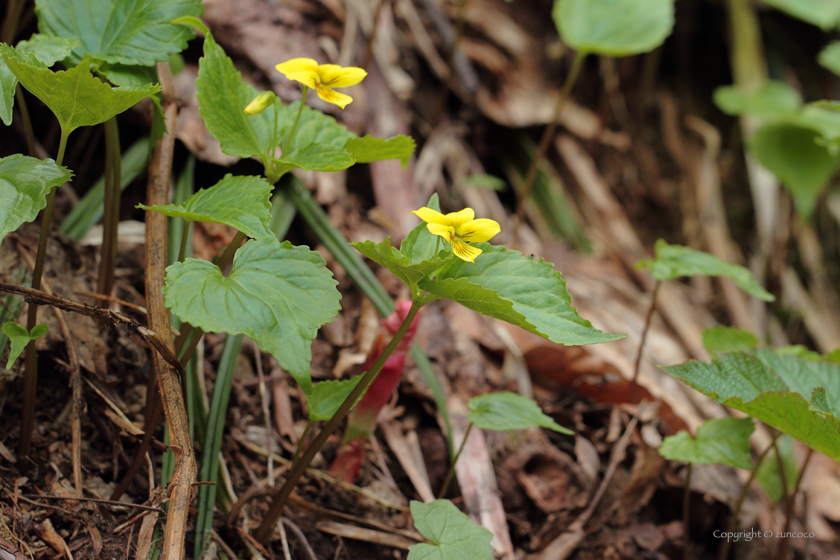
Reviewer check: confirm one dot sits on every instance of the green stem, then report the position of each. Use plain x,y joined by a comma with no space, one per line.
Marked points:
724,549
686,511
648,319
111,220
263,532
185,236
785,544
30,384
291,135
300,443
577,64
451,470
20,99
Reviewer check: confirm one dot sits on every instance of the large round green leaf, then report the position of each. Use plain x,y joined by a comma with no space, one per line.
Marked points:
614,27
277,294
134,32
24,185
239,201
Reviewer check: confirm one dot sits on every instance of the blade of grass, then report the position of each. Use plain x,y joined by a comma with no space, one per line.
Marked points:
213,441
364,278
89,209
547,193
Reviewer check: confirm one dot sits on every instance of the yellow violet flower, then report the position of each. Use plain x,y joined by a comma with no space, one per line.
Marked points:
459,228
323,78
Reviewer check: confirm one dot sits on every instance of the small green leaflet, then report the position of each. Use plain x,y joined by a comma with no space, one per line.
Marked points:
830,57
76,97
120,31
509,411
277,294
773,101
728,339
614,27
48,49
420,244
24,185
391,258
327,396
20,337
239,201
822,13
725,441
792,153
313,157
674,261
521,290
796,396
768,470
452,533
368,149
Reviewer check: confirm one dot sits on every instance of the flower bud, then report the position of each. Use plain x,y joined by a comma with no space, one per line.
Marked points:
260,103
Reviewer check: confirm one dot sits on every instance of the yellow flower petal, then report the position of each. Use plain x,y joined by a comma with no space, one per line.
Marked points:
460,218
334,76
334,97
464,251
442,230
307,78
478,230
432,216
297,65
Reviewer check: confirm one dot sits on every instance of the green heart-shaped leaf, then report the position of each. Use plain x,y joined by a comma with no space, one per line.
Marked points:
120,31
724,440
314,127
25,183
76,97
614,27
314,157
509,411
452,533
521,290
675,261
277,294
773,101
240,201
830,57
